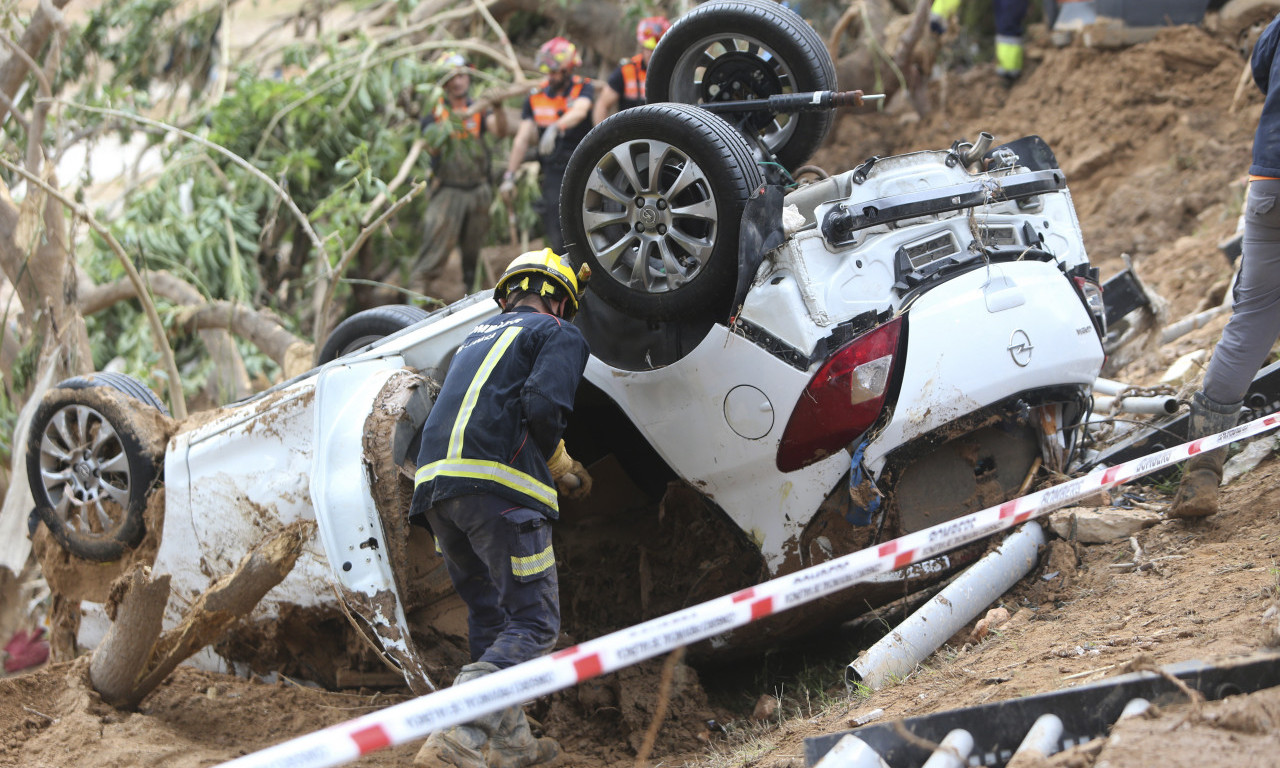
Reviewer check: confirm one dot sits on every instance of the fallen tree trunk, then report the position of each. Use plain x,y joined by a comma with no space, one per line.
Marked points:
135,657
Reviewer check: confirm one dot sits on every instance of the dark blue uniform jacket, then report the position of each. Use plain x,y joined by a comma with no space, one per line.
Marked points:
1266,73
501,411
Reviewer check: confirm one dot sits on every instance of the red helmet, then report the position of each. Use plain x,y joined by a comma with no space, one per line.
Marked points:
557,54
650,30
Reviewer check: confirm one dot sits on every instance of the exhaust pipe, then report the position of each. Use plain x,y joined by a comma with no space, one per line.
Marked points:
975,151
923,632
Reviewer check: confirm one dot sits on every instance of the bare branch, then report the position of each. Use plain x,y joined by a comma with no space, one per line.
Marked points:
157,328
406,168
14,69
232,156
321,327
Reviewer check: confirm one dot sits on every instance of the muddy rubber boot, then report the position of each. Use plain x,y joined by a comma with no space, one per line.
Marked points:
513,744
461,746
1198,491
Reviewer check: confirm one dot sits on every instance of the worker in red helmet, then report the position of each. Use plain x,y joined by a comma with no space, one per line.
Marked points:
625,87
555,117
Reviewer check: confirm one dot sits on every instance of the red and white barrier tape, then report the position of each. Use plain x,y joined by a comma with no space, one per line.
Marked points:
416,718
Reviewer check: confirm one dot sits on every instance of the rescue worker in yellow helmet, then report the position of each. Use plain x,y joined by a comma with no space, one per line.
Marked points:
625,86
457,213
555,117
490,470
1009,14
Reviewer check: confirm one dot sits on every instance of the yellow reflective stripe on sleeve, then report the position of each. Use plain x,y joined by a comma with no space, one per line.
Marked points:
533,564
497,472
473,391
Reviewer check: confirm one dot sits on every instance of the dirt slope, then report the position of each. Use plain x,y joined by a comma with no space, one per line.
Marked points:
1152,154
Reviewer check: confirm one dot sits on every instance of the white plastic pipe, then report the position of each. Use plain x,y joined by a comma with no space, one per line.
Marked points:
1134,708
953,752
923,632
1160,405
1108,386
1043,738
851,752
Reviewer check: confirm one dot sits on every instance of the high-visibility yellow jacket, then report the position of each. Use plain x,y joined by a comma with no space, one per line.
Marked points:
501,411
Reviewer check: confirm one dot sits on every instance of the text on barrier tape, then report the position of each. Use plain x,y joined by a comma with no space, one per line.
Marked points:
418,717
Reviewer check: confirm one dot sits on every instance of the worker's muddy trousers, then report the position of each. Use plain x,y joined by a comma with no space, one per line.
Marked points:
502,565
1255,319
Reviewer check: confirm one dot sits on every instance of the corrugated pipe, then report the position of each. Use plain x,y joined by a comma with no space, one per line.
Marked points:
924,631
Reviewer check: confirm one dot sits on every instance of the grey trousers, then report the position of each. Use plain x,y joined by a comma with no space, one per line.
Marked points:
1255,306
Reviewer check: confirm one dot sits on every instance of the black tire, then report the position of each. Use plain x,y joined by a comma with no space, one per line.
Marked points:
364,328
121,383
713,53
92,457
658,251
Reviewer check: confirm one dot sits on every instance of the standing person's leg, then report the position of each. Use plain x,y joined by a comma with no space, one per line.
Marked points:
469,572
463,746
1246,341
441,227
522,564
1010,15
552,179
475,231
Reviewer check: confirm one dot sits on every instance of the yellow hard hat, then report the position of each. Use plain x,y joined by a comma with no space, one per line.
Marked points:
557,274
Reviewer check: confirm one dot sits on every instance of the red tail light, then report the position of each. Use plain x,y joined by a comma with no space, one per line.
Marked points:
843,399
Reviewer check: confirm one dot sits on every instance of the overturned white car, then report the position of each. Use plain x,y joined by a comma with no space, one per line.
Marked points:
819,367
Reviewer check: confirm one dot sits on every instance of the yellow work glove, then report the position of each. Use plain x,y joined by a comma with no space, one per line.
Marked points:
571,478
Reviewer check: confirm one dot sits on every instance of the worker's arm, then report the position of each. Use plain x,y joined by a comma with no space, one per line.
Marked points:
605,104
578,111
525,135
496,121
547,395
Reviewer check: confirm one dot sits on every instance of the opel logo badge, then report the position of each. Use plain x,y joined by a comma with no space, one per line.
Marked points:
648,216
1020,348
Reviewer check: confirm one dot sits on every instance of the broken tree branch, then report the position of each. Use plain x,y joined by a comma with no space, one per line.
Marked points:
134,657
257,326
14,69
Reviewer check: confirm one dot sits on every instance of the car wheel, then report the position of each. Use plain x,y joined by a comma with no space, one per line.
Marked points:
747,49
92,456
652,201
364,328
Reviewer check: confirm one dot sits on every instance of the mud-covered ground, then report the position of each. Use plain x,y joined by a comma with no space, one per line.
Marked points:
1154,155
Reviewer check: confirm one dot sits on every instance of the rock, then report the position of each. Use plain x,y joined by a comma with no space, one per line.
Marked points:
1095,526
1185,368
766,708
995,617
1271,626
1249,458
